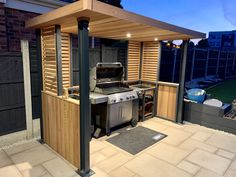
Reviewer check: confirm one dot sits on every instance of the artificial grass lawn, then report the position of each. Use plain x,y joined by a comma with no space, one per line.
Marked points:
225,92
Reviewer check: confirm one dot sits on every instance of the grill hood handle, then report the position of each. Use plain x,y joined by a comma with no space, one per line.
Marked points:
109,64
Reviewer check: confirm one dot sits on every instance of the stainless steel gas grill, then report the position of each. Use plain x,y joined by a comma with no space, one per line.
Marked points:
122,105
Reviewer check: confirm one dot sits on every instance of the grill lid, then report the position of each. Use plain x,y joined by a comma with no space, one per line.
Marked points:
106,75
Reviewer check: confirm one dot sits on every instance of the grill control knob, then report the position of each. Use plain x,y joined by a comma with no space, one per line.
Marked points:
121,99
114,101
133,96
127,98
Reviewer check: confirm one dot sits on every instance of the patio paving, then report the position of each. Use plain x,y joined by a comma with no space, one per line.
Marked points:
188,151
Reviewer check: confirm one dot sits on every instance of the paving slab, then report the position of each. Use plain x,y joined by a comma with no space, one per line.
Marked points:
168,153
188,167
175,136
223,141
148,166
191,144
121,172
109,151
32,157
46,175
230,173
96,157
209,161
4,159
59,168
21,147
154,125
201,135
99,172
207,173
113,162
36,171
233,165
10,171
225,154
96,145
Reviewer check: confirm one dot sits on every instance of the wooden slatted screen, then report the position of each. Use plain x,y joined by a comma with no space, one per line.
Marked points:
167,101
150,61
49,59
65,49
49,68
133,61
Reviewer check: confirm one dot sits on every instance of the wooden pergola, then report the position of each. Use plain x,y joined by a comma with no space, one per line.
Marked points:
65,122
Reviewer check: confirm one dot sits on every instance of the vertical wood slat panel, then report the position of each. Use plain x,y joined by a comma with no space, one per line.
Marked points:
48,45
133,60
150,61
167,101
61,126
65,49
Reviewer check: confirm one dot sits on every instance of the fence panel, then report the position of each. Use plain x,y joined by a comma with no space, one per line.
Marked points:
12,103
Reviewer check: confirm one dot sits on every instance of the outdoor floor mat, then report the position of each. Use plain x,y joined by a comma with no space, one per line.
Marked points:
136,140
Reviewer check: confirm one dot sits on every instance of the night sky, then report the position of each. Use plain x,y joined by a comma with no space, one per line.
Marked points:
200,15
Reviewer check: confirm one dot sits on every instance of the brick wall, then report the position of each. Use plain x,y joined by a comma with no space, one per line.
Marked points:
12,28
15,24
3,38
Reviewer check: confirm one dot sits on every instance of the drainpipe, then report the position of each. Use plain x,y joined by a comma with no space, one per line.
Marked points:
183,63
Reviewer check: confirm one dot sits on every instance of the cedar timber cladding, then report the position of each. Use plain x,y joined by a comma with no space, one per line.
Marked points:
167,101
49,68
65,49
49,59
61,126
133,60
150,61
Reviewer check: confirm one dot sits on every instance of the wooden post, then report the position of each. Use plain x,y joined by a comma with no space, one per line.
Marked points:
27,88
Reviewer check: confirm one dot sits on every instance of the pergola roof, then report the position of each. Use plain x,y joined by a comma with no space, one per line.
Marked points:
107,21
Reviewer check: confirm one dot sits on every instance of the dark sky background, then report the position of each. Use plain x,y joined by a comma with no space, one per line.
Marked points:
200,15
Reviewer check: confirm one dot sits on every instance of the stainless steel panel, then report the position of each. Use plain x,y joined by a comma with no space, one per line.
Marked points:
120,113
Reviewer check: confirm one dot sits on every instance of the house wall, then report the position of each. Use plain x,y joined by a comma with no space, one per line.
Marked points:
12,28
3,38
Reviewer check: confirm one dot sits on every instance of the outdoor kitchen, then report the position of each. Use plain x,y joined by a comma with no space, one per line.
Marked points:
108,95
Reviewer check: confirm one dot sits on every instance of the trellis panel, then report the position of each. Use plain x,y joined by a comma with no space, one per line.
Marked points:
65,49
150,61
133,60
49,59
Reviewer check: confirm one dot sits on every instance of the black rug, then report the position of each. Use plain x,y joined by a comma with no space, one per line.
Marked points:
136,140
